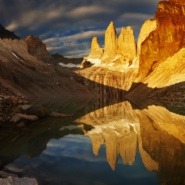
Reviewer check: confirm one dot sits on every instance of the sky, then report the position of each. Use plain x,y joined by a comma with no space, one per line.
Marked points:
68,26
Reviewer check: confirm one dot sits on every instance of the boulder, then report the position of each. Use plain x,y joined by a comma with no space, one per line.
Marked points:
37,110
85,64
8,100
21,124
5,174
20,117
15,100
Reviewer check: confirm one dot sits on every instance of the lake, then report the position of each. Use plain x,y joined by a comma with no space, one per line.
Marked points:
106,141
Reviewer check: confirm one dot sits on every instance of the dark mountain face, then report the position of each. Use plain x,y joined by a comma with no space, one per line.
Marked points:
7,34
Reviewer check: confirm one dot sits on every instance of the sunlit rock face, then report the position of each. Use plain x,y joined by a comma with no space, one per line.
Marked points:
147,28
106,82
116,67
110,45
119,53
169,72
127,44
166,40
96,51
95,54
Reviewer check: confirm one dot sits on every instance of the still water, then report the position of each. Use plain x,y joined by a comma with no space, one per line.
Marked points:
104,142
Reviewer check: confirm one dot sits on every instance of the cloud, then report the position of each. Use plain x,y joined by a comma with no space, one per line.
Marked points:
88,11
12,26
76,52
136,16
62,23
83,35
68,46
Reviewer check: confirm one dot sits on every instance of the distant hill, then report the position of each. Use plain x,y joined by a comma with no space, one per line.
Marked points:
6,34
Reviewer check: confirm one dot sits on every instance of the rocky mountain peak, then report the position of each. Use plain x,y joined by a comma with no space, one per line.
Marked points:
95,43
110,44
110,38
36,47
96,51
127,43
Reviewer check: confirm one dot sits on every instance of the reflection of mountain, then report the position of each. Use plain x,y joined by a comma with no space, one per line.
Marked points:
161,134
117,126
158,133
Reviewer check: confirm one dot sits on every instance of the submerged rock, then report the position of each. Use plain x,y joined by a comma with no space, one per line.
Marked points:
37,110
57,114
18,117
18,181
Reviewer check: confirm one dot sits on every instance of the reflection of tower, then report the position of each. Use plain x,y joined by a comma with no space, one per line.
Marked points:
158,133
118,127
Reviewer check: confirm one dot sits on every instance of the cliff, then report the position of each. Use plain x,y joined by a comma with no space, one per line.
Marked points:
22,73
164,41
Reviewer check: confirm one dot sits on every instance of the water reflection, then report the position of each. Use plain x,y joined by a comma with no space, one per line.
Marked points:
142,143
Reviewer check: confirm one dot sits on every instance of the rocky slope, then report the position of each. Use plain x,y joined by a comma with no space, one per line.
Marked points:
38,49
23,74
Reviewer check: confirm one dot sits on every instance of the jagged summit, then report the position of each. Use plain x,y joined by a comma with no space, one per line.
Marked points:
96,51
127,43
36,47
118,53
6,34
110,44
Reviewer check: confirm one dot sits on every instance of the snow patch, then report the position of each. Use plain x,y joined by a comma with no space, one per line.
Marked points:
15,56
132,66
116,58
70,65
94,61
